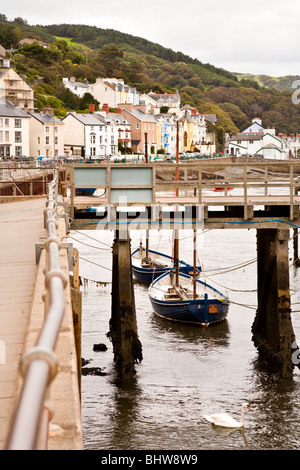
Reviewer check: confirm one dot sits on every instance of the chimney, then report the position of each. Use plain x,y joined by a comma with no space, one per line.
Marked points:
119,111
91,108
105,108
194,111
128,106
48,110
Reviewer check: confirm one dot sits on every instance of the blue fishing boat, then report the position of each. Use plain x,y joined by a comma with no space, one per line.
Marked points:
148,264
85,191
182,298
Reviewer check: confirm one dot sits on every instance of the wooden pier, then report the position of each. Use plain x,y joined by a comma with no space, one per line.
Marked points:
261,195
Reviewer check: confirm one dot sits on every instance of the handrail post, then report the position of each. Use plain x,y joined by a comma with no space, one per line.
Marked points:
291,192
245,194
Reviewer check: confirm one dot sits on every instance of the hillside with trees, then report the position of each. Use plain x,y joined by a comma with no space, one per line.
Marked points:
87,52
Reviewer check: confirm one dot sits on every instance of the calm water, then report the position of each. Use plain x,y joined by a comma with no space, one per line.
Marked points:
186,371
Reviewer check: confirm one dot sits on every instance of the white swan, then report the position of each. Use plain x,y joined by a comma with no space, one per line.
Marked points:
225,420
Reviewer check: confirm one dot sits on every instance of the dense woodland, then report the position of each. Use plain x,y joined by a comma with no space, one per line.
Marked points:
87,52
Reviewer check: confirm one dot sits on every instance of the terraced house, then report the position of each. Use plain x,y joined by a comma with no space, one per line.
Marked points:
143,129
89,136
46,134
14,131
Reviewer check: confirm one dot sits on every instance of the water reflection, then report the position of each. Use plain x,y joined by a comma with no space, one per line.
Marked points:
187,372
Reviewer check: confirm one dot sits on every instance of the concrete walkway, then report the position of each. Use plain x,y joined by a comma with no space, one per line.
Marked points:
21,226
21,317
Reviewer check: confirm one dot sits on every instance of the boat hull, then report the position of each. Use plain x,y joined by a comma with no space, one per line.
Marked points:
148,275
203,312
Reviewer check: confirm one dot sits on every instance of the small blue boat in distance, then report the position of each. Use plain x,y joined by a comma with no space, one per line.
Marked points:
187,300
85,191
147,265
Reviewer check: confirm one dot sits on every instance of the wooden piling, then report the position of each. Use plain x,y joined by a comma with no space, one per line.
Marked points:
272,328
123,325
76,299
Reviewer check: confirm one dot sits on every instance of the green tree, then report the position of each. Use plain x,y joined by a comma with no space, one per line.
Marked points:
86,100
10,35
110,56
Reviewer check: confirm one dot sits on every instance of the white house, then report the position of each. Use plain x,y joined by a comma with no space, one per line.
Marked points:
105,90
151,105
89,136
14,131
258,141
169,100
122,125
204,142
292,144
46,134
256,127
267,145
78,88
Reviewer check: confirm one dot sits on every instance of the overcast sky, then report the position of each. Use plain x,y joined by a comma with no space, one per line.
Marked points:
257,36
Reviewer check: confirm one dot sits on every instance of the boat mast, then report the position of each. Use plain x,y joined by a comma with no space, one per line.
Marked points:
176,232
147,243
194,264
176,257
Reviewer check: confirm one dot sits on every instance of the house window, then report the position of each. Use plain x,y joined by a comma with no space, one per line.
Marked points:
137,125
18,151
1,122
6,121
6,136
93,139
56,130
101,139
18,123
47,129
56,141
18,136
39,140
1,137
47,140
93,151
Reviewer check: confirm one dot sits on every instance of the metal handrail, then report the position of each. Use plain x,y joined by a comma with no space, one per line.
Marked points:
39,365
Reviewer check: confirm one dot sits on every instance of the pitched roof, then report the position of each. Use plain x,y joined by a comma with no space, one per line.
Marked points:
46,118
243,137
164,96
139,114
89,119
9,110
